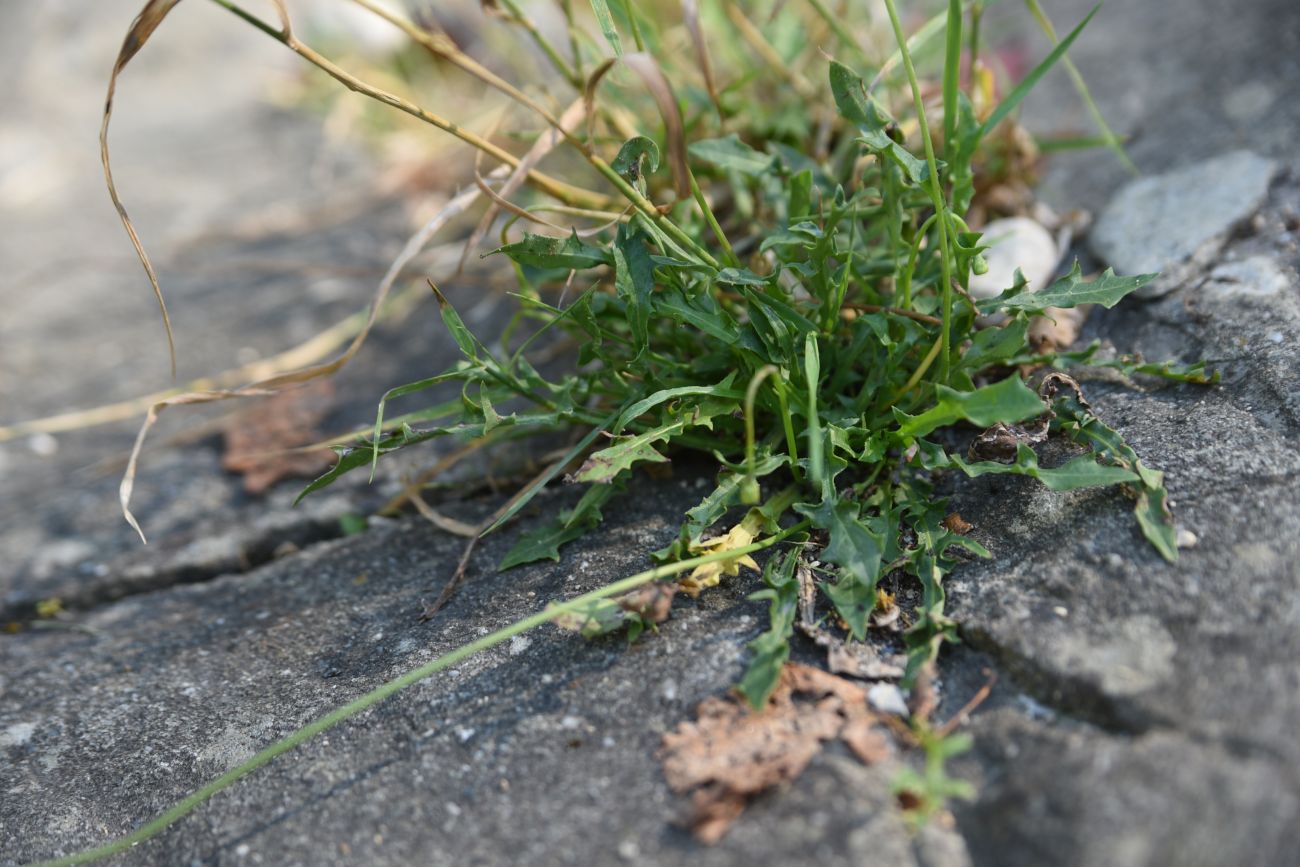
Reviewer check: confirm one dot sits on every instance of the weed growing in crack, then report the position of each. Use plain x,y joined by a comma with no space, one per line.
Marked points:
779,281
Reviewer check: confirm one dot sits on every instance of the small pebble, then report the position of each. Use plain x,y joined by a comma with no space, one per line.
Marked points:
1185,538
43,444
887,698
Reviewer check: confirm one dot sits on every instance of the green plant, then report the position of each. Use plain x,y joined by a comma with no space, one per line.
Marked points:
797,312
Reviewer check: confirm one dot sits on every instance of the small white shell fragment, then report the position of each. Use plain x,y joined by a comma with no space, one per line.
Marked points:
1015,242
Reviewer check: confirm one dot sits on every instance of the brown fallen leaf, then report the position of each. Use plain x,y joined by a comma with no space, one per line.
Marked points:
259,441
652,602
730,754
955,523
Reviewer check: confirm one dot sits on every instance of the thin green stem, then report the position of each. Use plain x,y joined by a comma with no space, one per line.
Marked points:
629,9
951,75
574,48
918,373
712,220
936,193
191,802
557,59
914,250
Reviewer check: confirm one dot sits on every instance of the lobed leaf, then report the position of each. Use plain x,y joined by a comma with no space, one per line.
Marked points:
1069,291
1007,401
543,251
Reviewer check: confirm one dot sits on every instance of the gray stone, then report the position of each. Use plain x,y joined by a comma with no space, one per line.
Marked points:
1171,222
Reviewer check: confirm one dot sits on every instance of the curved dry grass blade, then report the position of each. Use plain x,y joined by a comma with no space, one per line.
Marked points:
270,384
305,353
499,202
649,71
589,95
127,484
142,28
441,521
547,142
691,17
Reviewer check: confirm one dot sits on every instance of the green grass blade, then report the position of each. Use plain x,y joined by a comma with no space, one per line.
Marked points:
526,495
1108,136
193,801
606,22
1015,97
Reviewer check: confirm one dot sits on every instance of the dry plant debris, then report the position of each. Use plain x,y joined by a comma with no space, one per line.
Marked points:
730,754
261,443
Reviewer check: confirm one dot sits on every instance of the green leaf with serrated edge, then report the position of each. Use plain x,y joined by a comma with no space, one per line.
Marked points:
701,312
628,161
742,277
857,550
996,345
543,251
722,390
1069,291
361,455
634,282
545,543
872,121
1007,401
772,648
541,544
1081,472
1152,512
606,22
604,465
732,154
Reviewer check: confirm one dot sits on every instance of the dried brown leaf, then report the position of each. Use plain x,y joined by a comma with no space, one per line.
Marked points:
262,443
650,73
955,523
730,754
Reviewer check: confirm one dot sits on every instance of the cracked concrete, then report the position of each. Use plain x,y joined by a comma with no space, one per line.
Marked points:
1144,713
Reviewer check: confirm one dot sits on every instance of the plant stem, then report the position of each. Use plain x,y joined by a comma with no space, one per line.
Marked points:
191,802
572,75
951,75
712,220
936,193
